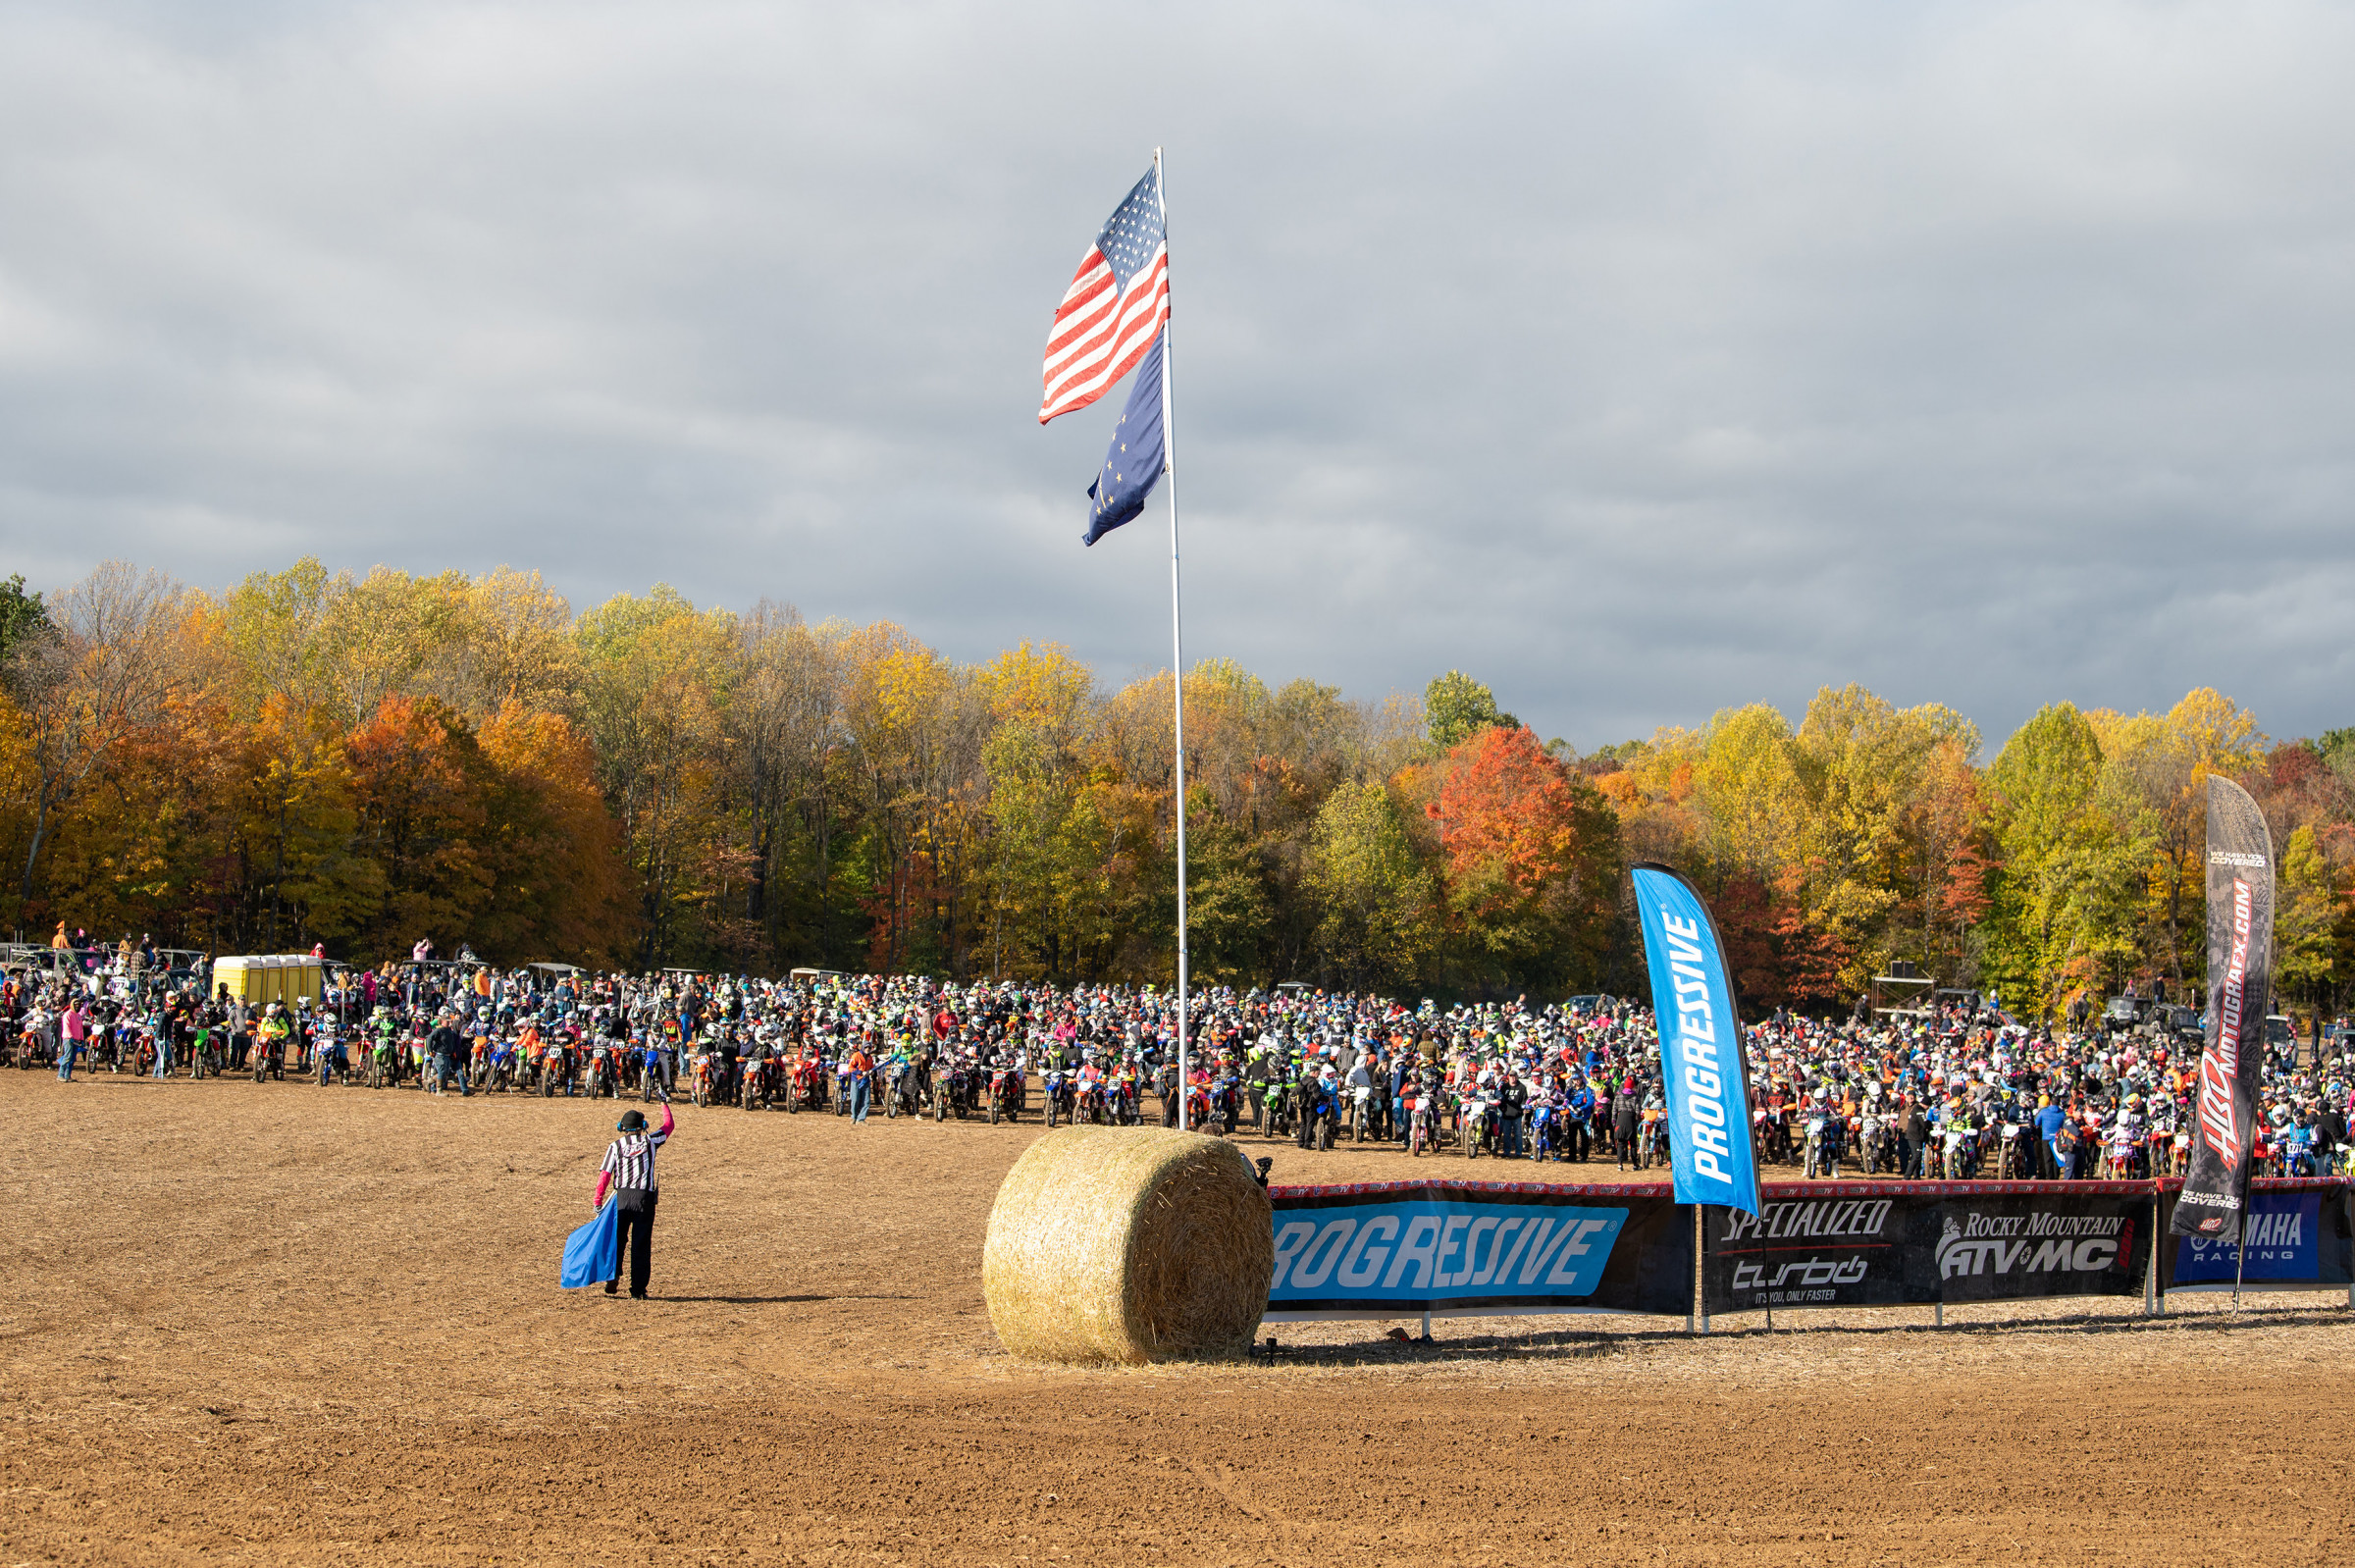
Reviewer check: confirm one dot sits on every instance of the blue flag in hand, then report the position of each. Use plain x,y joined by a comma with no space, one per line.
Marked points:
1135,459
591,1252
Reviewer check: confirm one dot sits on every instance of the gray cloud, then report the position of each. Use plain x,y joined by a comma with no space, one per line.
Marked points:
1642,361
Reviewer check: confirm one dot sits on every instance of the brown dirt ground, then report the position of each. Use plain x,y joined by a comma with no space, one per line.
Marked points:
280,1324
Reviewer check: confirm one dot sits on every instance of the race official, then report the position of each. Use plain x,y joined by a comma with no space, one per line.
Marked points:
1511,1097
1627,1114
448,1053
629,1172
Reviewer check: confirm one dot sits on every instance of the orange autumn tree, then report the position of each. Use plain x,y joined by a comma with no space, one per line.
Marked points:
422,788
1530,852
560,878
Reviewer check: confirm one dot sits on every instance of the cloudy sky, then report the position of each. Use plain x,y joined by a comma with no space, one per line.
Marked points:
1640,360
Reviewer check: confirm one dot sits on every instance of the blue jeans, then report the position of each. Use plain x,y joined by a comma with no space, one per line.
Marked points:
66,1053
1512,1134
859,1098
163,1061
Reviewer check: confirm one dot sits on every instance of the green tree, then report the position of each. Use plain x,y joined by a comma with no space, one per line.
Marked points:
22,616
2075,839
1457,708
2307,912
1377,905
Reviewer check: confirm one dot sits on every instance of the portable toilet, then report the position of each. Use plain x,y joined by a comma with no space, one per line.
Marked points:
235,974
304,978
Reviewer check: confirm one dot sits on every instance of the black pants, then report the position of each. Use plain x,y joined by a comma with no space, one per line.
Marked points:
634,1237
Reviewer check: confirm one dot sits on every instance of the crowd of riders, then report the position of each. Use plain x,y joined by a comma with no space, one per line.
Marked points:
1948,1094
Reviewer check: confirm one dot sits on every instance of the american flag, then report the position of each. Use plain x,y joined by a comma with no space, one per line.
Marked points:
1113,309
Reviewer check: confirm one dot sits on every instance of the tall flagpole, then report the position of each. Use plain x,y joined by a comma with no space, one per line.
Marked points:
1168,478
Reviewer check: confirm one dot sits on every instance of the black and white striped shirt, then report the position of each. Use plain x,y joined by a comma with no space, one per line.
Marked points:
630,1162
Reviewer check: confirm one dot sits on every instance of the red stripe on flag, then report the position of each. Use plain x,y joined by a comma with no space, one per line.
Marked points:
1092,354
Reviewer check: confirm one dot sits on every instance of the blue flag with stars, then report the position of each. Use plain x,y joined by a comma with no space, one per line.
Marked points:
1136,459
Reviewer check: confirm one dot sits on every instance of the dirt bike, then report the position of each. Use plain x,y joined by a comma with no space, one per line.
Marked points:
1654,1143
1198,1114
1089,1105
1823,1159
753,1091
1477,1121
1276,1110
806,1086
1320,1116
1544,1124
1005,1094
1057,1097
1123,1101
1227,1104
699,1079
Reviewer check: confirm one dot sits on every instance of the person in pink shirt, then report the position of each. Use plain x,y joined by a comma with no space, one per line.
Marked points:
71,1030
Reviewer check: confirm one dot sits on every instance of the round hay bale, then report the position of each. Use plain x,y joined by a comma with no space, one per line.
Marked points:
1128,1244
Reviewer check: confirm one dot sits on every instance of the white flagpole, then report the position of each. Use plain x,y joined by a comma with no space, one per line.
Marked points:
1168,479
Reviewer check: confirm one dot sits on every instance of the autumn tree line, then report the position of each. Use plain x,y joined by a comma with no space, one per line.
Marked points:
365,761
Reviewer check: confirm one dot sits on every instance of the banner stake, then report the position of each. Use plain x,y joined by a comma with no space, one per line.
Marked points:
1701,1271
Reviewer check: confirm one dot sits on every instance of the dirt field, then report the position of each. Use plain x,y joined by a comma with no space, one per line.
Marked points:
285,1324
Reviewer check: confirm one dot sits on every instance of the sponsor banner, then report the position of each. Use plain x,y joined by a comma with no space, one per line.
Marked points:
2240,939
2297,1236
2061,1244
1397,1250
1702,1053
1888,1243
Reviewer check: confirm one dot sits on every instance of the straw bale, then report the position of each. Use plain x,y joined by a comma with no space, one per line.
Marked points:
1128,1244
